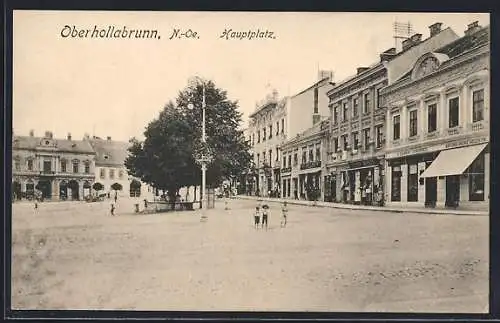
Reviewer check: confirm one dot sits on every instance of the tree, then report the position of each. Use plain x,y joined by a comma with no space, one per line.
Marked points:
97,186
166,158
117,187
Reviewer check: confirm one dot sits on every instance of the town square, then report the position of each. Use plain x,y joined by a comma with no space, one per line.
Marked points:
212,174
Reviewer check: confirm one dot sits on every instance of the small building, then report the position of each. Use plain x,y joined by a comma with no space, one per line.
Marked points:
302,180
110,170
60,169
438,112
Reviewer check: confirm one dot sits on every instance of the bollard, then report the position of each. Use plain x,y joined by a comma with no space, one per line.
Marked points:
136,208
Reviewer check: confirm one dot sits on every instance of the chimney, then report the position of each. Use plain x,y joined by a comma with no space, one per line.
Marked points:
406,44
109,138
435,28
86,136
322,74
32,133
360,70
388,54
472,28
48,134
415,39
69,136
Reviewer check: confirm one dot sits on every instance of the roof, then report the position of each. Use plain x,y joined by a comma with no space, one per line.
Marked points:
308,133
319,83
110,152
76,146
467,42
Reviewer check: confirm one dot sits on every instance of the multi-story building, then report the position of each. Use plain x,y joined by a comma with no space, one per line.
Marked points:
276,120
267,129
355,170
110,168
58,168
438,133
302,162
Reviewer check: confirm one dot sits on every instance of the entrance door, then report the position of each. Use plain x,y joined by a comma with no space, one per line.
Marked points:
452,191
333,188
295,188
430,191
45,186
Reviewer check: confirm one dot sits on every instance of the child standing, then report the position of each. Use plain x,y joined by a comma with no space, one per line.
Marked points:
257,217
265,214
284,212
112,208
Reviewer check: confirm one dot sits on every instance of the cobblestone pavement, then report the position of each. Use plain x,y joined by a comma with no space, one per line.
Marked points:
77,256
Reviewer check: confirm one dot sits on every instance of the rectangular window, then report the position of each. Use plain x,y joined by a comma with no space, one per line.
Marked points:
277,154
282,125
311,155
366,138
318,153
103,173
258,136
315,100
47,166
295,159
87,167
412,183
396,127
265,135
476,179
111,174
453,106
345,112
270,131
277,128
345,140
30,164
335,144
75,167
258,160
289,160
396,184
270,157
413,123
264,160
355,140
355,107
380,136
377,96
431,118
335,114
367,104
284,161
477,105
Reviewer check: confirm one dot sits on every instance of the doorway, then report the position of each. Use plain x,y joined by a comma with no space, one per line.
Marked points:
45,186
452,191
430,191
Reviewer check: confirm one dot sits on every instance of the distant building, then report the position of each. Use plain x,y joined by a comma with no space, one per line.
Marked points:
110,156
60,169
438,114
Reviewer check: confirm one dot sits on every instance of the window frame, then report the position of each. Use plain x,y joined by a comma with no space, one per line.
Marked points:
450,99
412,123
398,116
474,112
434,106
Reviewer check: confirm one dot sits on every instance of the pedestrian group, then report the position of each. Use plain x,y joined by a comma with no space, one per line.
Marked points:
263,212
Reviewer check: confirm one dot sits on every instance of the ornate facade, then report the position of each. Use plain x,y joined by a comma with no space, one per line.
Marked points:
438,134
59,169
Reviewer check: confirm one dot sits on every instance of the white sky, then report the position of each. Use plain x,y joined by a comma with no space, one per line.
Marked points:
115,86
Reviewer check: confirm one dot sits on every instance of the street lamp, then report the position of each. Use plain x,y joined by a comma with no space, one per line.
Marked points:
204,159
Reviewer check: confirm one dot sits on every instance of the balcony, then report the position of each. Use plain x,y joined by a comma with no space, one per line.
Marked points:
413,138
431,135
311,164
286,170
454,131
477,126
47,172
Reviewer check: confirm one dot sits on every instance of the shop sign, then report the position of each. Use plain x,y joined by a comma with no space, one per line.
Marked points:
449,145
363,163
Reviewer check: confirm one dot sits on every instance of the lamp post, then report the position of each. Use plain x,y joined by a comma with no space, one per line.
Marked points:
204,159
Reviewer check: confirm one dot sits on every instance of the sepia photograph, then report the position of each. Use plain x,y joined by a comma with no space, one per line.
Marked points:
250,161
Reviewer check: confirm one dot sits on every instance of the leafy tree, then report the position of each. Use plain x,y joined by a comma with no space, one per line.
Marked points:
117,186
97,186
166,159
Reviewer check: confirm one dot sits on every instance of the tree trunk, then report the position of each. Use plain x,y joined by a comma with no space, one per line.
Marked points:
194,199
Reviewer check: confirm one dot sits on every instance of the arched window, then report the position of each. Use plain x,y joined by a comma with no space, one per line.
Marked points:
87,167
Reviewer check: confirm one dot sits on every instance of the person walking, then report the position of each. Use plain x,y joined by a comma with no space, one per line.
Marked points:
113,209
116,196
284,212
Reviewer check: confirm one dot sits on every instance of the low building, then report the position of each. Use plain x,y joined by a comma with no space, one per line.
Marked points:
110,170
302,180
59,169
437,150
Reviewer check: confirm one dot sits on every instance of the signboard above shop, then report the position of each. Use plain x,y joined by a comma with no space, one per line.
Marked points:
432,148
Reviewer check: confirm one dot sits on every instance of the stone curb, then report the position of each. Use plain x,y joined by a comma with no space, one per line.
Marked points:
360,207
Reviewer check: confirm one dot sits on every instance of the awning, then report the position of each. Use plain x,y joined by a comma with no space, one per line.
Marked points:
453,161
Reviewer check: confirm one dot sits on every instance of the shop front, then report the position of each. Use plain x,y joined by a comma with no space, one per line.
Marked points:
452,175
365,181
